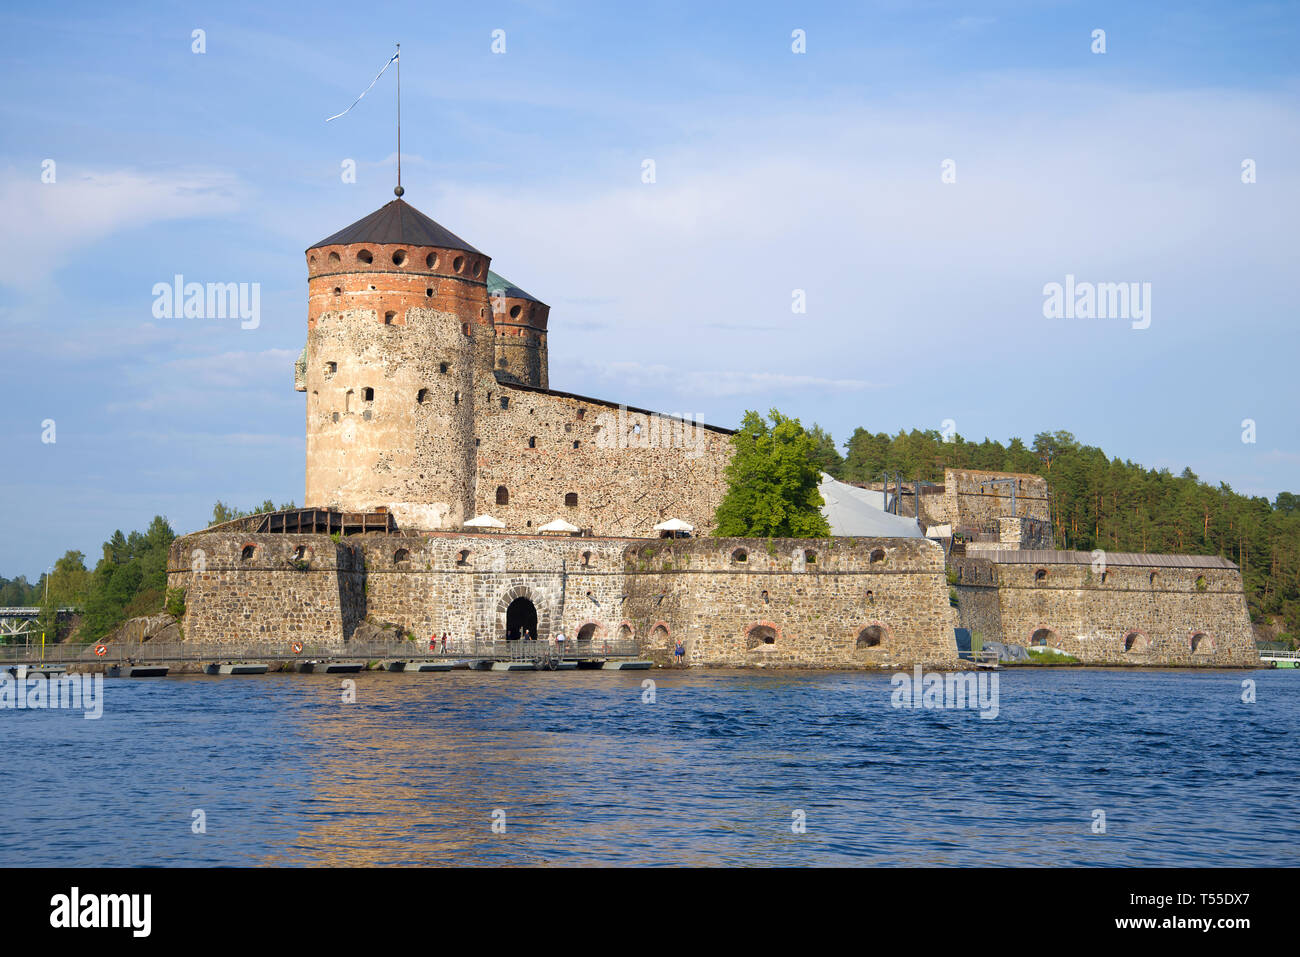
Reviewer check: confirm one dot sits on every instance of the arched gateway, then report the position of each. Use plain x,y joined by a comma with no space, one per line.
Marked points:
521,620
518,609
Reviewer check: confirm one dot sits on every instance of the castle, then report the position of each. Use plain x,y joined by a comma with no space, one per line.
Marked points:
428,409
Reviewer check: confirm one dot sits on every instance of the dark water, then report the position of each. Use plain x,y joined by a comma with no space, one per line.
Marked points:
710,773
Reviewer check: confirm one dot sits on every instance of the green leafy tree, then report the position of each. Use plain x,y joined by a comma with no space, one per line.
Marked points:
825,455
773,479
221,512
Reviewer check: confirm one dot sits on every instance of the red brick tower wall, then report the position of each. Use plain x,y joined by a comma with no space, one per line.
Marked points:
520,326
412,324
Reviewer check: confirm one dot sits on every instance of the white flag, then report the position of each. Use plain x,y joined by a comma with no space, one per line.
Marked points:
367,89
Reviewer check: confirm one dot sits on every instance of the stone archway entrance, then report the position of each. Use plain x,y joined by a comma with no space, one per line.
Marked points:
521,615
523,606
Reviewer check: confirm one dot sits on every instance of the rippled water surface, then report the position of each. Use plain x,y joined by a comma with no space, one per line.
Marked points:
711,772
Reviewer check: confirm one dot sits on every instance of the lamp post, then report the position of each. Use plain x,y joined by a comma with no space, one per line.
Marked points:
48,572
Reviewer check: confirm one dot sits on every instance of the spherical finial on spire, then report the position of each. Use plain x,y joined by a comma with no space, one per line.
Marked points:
398,191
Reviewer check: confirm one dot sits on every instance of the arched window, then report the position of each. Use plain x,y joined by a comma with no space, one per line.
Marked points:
1040,575
1137,642
503,495
877,555
759,635
1042,637
399,257
740,556
389,317
368,394
1202,644
248,553
463,557
810,557
586,559
870,637
532,441
571,499
365,256
421,396
401,555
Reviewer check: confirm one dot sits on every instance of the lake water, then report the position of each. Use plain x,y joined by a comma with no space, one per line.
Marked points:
712,771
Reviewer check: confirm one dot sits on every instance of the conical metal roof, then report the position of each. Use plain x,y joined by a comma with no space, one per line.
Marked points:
499,285
397,223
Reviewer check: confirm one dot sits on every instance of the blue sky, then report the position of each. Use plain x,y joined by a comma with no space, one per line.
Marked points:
775,171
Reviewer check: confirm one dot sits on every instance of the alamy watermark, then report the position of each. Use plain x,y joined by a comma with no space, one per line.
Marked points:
957,690
214,300
53,692
650,430
1101,300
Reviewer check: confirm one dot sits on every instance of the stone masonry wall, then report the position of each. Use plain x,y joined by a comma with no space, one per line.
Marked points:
967,503
1128,615
818,600
242,587
806,603
598,466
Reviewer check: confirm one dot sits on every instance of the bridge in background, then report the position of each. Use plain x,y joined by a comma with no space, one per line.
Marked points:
21,623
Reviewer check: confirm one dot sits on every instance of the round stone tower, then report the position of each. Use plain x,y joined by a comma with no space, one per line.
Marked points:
520,326
398,328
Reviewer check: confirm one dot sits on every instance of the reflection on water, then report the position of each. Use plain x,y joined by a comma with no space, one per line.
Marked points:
710,773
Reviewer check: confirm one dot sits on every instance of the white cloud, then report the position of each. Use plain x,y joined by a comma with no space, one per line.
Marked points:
48,222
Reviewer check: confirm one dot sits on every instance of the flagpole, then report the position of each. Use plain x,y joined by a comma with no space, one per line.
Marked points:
399,189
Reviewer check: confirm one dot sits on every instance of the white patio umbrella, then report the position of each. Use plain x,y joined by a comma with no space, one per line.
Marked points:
559,525
484,521
674,525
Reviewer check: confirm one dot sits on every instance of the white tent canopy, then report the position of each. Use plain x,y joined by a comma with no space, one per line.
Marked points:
484,521
559,525
854,511
674,525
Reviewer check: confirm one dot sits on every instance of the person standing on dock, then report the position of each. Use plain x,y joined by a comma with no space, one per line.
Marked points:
679,652
559,643
433,642
444,642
